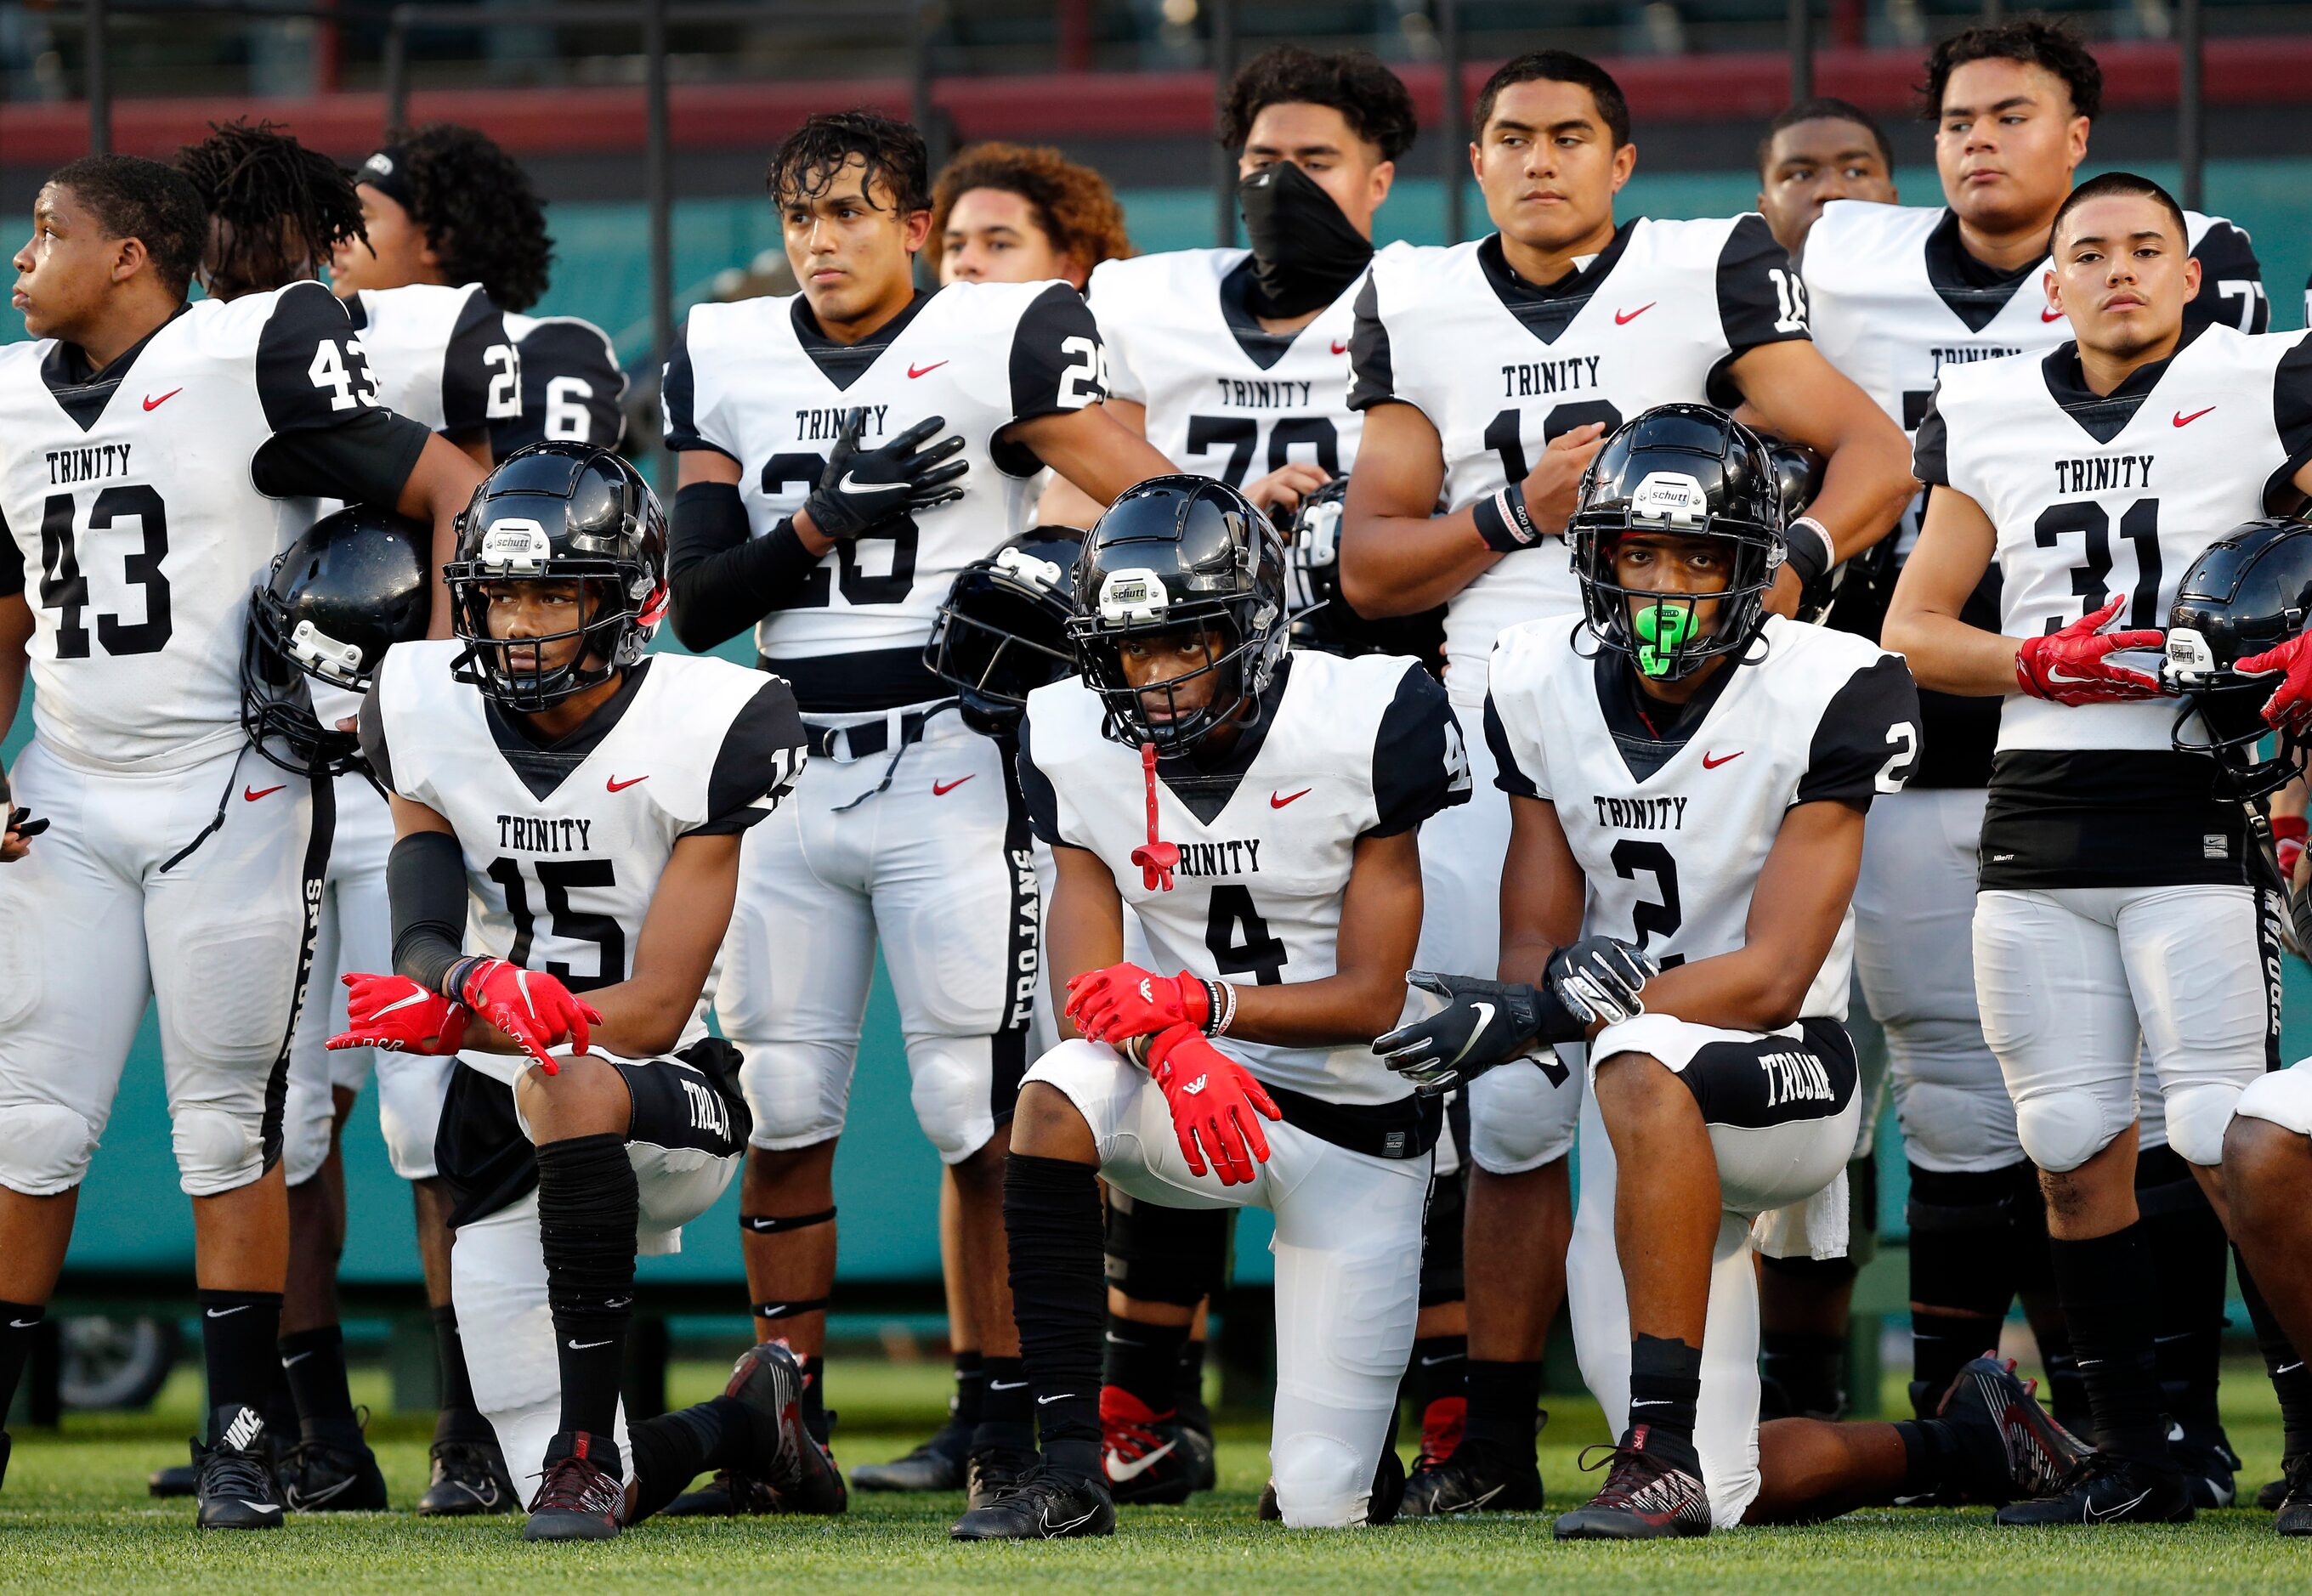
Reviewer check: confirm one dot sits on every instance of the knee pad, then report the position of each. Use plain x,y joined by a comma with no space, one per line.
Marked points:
2061,1130
44,1148
1322,1482
1522,1115
1176,1256
797,1091
217,1149
950,1083
2197,1113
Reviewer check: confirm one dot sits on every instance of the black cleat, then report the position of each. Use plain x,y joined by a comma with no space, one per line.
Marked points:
2273,1492
937,1465
2013,1448
799,1471
724,1495
174,1479
1480,1477
2210,1465
2107,1488
1042,1504
469,1479
1645,1497
992,1471
2295,1506
579,1499
1150,1458
234,1482
320,1477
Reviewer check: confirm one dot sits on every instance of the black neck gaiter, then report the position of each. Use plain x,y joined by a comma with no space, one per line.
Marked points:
1304,252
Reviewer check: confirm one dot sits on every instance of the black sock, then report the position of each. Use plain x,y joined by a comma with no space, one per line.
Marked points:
1059,1292
2107,1287
674,1449
1964,1226
19,1323
1007,1415
449,1358
1438,1373
1933,1459
1665,1389
2291,1381
816,1419
314,1362
1188,1389
1802,1372
970,1388
1503,1399
1144,1360
239,1332
588,1208
2188,1254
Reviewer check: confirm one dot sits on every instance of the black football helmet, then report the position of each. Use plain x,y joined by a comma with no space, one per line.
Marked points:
354,585
1171,553
1696,471
559,512
1004,631
1322,618
1798,474
2248,591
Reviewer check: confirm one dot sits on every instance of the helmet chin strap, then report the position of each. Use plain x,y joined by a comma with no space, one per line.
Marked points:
1157,857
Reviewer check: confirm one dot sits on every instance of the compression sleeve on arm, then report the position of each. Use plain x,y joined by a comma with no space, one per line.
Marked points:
425,881
724,580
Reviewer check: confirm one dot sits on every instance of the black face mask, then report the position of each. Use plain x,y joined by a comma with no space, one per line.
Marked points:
1304,252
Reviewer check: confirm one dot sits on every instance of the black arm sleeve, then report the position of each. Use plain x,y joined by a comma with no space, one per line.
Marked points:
1506,775
372,736
1868,739
2292,416
757,765
2231,283
364,461
1420,763
425,881
724,580
1035,791
1372,372
12,563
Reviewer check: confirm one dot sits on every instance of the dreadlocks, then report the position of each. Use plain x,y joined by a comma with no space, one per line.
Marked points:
277,209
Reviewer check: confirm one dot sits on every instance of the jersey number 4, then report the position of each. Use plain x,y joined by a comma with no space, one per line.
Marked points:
556,877
1240,941
782,472
63,586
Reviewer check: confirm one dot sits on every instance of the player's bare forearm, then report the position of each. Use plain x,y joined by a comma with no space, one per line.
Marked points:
1065,505
1794,393
1956,544
1541,891
1796,909
1380,923
1397,558
1084,928
436,490
1090,448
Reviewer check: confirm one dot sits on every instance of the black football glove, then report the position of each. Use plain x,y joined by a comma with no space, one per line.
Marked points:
1484,1022
1599,978
861,489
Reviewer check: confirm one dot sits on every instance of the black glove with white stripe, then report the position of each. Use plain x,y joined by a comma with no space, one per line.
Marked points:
1599,979
861,489
1484,1022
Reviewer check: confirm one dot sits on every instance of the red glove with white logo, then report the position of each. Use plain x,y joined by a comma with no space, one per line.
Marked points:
532,1007
2290,708
395,1013
1124,1001
1215,1104
2070,667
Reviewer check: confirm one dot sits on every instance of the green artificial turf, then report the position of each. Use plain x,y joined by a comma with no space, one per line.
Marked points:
75,1517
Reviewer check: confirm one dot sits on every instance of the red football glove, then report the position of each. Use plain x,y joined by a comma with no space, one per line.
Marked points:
534,1009
1215,1104
2070,667
1124,1001
2287,838
395,1013
2290,708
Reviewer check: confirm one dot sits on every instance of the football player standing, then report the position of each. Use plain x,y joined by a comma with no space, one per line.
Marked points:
844,453
2117,911
157,455
1488,375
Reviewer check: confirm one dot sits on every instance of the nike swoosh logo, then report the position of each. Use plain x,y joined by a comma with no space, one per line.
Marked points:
1278,802
2183,420
916,370
1063,1396
1450,1357
1340,346
1624,317
303,1500
1122,1473
2051,316
291,1363
153,404
29,1323
941,788
2089,1515
615,785
587,1346
1709,764
1484,1018
851,485
1009,1385
227,1312
2290,1369
1652,1402
266,1506
1051,1529
251,794
1474,1502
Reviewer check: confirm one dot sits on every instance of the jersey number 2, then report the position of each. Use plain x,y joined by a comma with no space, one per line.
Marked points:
1652,922
64,587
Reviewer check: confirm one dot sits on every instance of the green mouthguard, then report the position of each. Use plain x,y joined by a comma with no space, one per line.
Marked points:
1663,629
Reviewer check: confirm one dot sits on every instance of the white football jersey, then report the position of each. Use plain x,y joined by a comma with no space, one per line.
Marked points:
138,524
572,388
1670,834
443,356
1349,748
1500,367
564,854
1225,398
757,381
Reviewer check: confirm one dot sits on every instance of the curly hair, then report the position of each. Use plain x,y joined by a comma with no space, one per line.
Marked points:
2032,40
288,206
1073,205
808,161
477,207
1369,96
150,201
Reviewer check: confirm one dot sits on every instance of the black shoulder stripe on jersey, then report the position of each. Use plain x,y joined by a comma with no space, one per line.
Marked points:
372,730
363,462
1508,775
1043,804
1760,300
564,362
1047,375
757,765
1420,763
1372,371
2231,281
1931,444
466,371
312,374
2292,416
11,563
1868,739
677,389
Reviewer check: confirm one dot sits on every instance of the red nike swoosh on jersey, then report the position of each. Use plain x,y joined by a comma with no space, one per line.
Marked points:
615,785
2183,420
1278,801
251,794
941,788
2051,316
1624,317
153,404
1709,764
1339,347
914,370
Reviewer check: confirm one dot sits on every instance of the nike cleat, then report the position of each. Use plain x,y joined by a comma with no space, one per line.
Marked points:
2295,1509
579,1499
1150,1458
768,1381
234,1483
2012,1447
1645,1497
1480,1477
320,1477
725,1495
2273,1492
2210,1465
937,1465
2107,1488
469,1478
1042,1504
991,1472
1443,1423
